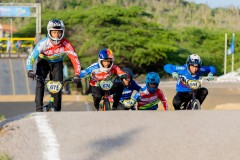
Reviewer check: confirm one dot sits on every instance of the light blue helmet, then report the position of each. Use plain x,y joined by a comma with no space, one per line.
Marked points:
152,77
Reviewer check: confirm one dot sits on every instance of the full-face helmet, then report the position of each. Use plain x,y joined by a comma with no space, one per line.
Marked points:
152,78
55,25
129,78
105,54
194,60
129,73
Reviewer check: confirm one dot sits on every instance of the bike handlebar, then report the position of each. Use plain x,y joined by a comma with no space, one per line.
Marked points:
46,80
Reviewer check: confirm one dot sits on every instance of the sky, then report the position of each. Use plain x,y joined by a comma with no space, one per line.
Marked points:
218,3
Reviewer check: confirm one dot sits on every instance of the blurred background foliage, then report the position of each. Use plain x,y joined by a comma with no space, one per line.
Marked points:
143,34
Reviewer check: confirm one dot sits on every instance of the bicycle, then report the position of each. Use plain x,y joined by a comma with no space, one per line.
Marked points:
194,85
106,85
53,87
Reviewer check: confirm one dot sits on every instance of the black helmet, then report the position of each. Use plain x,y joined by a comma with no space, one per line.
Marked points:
129,72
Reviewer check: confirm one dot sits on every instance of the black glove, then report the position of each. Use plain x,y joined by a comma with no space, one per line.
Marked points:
76,79
31,74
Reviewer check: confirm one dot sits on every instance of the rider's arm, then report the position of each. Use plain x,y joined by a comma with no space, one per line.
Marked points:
86,72
73,57
208,69
34,55
162,98
135,85
136,96
119,72
169,68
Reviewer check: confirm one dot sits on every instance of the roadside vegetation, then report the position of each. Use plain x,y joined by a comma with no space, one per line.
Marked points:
143,34
4,157
2,117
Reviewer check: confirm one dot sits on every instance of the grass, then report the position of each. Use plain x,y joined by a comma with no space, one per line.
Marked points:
4,157
2,117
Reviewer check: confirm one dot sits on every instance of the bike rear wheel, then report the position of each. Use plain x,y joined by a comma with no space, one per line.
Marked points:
195,104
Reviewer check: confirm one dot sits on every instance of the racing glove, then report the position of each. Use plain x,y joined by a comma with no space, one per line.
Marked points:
175,75
210,76
129,103
31,74
165,105
76,79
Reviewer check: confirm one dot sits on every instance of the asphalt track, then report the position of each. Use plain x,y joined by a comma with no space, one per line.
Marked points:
222,95
12,109
123,135
209,134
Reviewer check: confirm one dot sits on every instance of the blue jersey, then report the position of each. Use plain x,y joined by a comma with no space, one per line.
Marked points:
183,71
127,92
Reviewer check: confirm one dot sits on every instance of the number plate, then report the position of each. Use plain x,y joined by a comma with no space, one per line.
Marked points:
106,85
194,84
54,86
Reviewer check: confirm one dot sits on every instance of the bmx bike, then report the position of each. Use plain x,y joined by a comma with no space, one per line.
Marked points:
194,103
106,85
53,88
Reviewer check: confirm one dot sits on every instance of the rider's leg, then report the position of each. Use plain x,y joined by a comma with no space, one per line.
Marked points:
42,70
180,98
117,89
56,74
97,96
201,94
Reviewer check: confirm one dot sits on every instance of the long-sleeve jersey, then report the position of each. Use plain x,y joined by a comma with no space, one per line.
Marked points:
97,75
127,91
186,75
50,52
147,100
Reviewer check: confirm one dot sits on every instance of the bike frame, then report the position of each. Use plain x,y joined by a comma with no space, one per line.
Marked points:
106,103
53,87
194,103
106,85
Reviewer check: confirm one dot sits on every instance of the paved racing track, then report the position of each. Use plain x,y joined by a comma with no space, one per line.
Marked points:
13,79
78,133
123,135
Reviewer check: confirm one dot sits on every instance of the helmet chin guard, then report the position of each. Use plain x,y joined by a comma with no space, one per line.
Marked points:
54,25
153,78
105,54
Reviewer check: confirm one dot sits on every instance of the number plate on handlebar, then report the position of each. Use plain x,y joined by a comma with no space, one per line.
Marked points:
194,84
106,85
54,86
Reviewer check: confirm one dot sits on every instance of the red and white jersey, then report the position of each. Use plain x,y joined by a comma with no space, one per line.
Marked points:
97,75
51,52
148,100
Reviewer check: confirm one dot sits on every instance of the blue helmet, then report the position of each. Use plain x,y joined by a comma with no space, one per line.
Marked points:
103,55
152,77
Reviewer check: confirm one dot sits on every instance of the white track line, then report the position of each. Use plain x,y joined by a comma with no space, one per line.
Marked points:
12,76
26,77
48,138
87,106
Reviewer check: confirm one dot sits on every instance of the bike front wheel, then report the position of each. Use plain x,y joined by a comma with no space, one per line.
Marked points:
106,105
49,108
195,105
